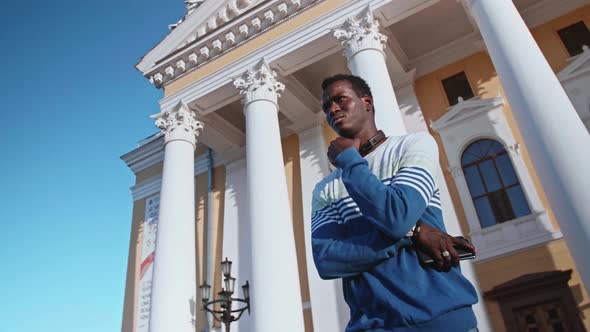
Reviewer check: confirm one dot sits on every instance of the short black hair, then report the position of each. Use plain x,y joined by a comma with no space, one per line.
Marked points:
359,85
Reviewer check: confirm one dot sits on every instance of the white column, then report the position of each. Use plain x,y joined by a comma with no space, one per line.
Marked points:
364,46
276,297
236,232
323,293
414,120
555,136
174,282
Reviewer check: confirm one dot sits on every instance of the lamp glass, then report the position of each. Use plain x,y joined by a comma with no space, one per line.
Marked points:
226,267
246,290
230,284
205,292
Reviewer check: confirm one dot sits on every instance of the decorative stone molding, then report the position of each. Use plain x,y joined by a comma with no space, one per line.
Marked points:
514,148
464,123
575,79
179,124
357,34
150,152
259,83
233,24
456,171
146,188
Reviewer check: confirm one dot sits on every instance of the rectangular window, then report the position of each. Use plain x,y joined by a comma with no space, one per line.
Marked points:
574,37
457,86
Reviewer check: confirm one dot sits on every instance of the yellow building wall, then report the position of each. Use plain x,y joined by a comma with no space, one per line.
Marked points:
549,41
292,163
133,263
552,256
485,83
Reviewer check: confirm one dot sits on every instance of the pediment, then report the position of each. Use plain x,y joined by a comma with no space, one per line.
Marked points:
198,23
579,65
214,28
465,109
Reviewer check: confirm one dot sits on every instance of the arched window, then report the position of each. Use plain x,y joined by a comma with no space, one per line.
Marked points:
493,184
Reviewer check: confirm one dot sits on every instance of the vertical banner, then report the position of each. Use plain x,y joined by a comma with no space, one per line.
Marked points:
148,249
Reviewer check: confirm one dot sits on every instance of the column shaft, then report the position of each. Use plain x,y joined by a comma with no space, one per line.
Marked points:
174,281
553,132
173,303
370,65
276,295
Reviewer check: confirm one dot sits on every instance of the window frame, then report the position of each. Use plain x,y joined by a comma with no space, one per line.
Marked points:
559,31
503,187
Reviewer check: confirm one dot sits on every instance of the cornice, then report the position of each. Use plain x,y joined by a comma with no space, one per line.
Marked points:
278,48
154,184
146,188
199,52
146,155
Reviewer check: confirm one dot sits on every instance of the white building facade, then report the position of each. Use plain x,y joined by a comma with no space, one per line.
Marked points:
242,143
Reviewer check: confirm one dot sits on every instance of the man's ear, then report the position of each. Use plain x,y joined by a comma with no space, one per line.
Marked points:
368,101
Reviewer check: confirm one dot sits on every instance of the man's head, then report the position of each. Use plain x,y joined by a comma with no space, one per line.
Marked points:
348,105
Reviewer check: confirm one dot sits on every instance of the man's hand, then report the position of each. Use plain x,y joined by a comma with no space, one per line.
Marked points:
340,144
435,243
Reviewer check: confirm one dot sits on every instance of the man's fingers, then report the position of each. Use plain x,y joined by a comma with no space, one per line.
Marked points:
454,256
464,244
439,261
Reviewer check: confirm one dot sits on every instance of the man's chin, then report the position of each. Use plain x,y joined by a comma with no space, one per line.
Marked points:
344,132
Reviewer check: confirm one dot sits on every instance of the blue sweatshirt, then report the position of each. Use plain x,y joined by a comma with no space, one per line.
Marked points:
361,215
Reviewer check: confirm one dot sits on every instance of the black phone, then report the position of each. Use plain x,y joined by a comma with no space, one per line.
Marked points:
464,254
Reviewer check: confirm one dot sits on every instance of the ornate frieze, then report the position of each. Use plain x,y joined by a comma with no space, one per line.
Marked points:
232,25
259,83
360,33
179,123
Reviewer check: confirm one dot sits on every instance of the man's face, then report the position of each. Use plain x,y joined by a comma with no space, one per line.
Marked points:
345,111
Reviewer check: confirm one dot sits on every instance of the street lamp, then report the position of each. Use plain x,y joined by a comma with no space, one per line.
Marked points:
225,300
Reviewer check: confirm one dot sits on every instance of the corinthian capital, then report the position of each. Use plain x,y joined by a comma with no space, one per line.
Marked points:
180,123
259,83
360,33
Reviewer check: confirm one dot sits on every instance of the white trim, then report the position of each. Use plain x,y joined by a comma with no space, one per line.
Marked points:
578,66
182,32
548,10
575,79
210,46
465,123
146,188
149,154
524,232
282,46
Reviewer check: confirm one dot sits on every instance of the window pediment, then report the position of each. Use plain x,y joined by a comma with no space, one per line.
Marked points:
579,65
466,109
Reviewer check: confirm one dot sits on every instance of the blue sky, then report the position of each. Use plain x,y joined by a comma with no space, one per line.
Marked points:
72,104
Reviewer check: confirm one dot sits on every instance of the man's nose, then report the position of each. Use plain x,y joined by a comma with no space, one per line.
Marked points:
334,107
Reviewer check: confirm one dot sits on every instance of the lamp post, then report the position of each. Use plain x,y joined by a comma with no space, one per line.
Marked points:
225,299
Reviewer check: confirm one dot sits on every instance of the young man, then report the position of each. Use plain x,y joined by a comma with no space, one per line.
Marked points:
371,215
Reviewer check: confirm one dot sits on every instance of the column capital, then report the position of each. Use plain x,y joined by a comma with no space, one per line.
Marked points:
360,33
179,123
259,83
